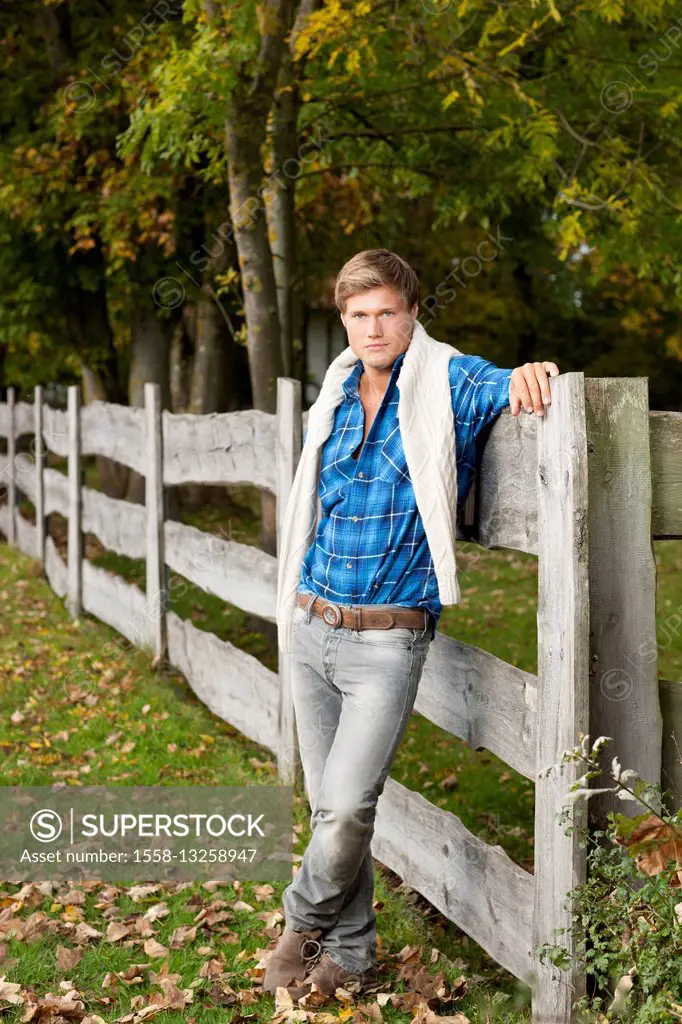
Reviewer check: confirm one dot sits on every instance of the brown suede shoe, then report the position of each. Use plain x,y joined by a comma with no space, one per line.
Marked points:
328,976
294,955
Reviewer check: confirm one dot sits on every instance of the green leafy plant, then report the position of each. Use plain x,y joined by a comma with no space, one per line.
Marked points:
628,912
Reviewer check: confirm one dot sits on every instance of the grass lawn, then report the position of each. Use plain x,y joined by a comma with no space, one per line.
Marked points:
70,714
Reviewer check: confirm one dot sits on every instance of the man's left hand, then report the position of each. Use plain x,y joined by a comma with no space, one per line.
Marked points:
529,387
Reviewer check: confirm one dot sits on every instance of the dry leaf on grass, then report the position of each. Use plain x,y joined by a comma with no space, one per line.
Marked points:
10,992
426,1016
50,1007
140,892
182,935
211,968
156,912
116,931
154,949
68,958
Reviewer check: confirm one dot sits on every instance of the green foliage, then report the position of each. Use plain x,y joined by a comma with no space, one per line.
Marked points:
630,928
436,121
628,913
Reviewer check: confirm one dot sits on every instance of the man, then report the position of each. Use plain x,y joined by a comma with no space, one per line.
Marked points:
370,589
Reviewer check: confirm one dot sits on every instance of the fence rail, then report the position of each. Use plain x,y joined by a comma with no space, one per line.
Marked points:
585,491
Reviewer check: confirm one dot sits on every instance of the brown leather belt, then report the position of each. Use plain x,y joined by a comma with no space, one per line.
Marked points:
365,616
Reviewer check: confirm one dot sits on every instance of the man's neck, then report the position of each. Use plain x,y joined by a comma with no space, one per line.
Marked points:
373,382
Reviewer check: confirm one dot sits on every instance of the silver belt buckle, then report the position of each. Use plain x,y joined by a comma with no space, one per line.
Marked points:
332,614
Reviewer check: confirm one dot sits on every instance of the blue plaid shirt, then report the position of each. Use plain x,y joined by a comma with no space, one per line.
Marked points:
370,546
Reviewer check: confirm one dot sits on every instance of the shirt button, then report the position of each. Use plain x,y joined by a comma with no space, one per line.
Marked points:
349,565
359,474
355,519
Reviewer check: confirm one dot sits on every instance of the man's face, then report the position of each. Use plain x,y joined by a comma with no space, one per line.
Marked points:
379,326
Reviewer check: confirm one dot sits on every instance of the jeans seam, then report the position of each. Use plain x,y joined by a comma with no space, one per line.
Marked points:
344,964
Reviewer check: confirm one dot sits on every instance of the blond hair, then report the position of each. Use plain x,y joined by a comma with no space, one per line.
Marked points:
373,268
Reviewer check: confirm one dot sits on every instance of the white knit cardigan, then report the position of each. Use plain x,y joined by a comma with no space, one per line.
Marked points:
427,430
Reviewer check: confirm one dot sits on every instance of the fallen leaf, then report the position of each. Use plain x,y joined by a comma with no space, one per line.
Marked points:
68,958
140,892
116,931
156,912
10,992
154,949
425,1015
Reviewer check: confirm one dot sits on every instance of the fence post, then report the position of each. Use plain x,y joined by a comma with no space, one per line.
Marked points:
39,455
74,596
11,459
624,697
288,454
563,691
156,589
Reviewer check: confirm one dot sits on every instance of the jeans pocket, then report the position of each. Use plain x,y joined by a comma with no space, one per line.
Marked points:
398,636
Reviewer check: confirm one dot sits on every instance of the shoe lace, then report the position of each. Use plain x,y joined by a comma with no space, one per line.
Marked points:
311,958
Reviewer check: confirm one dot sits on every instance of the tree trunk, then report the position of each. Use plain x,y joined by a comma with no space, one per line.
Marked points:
180,367
87,320
150,363
528,338
279,203
280,197
3,382
245,130
213,361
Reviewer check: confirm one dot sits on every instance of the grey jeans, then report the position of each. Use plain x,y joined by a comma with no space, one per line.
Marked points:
353,693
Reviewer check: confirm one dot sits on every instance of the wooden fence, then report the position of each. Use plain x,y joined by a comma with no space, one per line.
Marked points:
586,490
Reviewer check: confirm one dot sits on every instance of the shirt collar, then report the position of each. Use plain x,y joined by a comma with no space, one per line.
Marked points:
350,385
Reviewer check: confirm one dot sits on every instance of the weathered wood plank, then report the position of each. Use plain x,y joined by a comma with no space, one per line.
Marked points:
56,431
113,600
507,513
9,476
56,486
563,618
220,448
75,556
289,444
624,701
40,456
24,476
23,418
24,531
4,419
482,700
241,574
231,683
156,584
116,431
56,568
473,883
119,525
671,770
666,466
